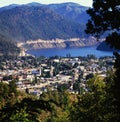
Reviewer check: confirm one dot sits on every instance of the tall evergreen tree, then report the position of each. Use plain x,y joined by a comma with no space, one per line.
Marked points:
105,18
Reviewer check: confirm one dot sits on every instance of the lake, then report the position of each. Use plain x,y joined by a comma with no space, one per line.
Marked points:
78,51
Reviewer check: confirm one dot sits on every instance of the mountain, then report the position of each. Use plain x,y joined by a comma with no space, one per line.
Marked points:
35,4
35,21
8,7
71,11
29,22
16,5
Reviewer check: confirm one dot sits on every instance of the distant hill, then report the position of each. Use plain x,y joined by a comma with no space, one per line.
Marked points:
39,21
8,7
31,22
71,11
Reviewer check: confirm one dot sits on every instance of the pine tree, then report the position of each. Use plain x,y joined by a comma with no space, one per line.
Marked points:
105,19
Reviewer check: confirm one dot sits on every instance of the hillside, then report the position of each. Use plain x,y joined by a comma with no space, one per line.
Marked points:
37,22
71,11
7,47
8,7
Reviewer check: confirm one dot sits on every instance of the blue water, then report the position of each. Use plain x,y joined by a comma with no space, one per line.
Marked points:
80,51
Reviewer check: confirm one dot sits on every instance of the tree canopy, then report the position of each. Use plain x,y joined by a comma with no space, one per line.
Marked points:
105,17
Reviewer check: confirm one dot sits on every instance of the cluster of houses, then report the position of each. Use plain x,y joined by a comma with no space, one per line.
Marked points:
36,75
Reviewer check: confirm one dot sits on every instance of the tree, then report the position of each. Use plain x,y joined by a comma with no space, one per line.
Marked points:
94,105
105,19
20,116
13,87
105,16
4,93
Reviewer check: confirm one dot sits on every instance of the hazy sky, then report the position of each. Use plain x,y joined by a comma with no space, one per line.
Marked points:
81,2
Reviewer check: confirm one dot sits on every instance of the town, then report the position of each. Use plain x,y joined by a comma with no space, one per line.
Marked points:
36,75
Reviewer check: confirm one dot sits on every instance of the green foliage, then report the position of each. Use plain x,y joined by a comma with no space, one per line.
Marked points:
8,93
76,86
13,86
52,107
95,84
63,87
105,16
114,85
20,116
4,91
95,105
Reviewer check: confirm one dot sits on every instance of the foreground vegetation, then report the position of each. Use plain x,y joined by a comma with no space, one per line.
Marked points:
96,104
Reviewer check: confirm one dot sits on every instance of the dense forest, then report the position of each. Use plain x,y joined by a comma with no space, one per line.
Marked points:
24,23
7,47
97,104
